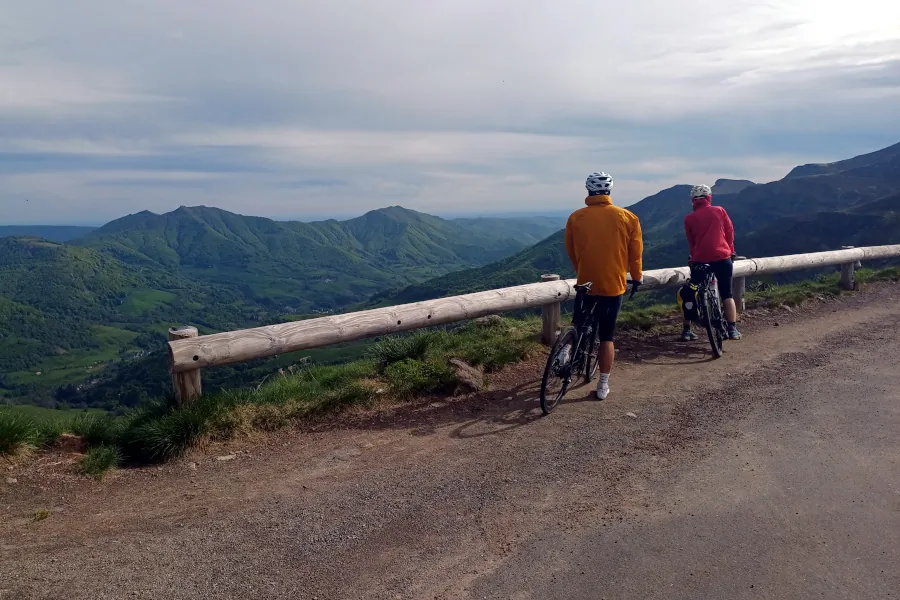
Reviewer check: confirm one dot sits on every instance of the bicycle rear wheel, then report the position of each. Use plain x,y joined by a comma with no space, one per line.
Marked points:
712,320
558,372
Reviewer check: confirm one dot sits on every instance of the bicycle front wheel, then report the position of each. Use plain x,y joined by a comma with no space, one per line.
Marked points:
590,361
558,372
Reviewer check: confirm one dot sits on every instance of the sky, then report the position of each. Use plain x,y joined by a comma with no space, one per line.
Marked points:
306,109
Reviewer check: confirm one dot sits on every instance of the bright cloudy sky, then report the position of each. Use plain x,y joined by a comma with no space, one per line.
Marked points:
302,108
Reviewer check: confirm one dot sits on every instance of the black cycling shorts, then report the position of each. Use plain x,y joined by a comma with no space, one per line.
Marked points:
605,313
724,271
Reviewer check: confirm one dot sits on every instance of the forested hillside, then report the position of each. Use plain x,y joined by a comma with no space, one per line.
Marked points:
67,311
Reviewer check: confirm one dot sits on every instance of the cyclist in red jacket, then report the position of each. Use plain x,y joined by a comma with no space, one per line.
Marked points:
710,236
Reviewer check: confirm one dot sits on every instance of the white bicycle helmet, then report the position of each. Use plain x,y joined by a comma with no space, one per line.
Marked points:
700,191
599,183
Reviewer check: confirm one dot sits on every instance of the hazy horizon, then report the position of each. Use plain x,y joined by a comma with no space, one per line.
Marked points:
558,212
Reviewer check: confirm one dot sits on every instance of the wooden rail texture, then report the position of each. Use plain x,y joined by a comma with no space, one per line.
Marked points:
192,353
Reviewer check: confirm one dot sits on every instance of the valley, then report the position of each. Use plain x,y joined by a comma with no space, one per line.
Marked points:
69,311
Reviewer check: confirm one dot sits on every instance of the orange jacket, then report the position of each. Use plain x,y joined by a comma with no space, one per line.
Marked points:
604,241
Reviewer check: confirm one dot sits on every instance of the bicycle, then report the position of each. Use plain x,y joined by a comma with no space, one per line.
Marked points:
709,306
575,351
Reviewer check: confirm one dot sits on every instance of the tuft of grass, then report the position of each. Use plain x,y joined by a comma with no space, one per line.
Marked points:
97,429
17,432
99,460
765,293
397,348
872,275
40,515
491,346
349,394
268,417
650,318
151,437
48,431
409,377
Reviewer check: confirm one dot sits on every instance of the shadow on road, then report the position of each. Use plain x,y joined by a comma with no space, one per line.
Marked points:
510,407
666,350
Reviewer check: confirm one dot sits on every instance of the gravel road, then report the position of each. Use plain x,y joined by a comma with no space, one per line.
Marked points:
771,473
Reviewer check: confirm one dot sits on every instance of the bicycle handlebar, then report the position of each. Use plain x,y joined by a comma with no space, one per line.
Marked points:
634,287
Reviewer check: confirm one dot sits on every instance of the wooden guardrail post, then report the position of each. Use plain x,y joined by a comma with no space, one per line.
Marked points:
186,384
550,314
738,288
847,273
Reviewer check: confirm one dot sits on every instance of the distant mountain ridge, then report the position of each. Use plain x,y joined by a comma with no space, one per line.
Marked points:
310,266
731,186
52,233
190,236
815,207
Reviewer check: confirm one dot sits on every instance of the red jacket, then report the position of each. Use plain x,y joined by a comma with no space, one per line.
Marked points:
710,233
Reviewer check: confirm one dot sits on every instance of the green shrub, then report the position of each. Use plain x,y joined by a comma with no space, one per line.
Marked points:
268,417
394,349
869,275
409,377
151,437
492,345
648,318
97,430
17,431
48,431
99,460
492,354
348,394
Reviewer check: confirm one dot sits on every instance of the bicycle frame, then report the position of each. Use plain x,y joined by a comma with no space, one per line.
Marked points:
583,340
584,335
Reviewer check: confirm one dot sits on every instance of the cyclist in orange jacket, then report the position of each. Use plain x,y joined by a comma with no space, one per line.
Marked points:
603,241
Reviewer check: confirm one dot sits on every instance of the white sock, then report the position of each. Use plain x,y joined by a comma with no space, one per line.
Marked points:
604,379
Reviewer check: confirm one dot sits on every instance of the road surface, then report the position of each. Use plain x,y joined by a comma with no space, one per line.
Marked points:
772,473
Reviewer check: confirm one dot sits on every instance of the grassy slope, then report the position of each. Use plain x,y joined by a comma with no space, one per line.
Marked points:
41,414
396,368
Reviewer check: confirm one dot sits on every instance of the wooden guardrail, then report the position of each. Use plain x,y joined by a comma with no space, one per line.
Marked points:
189,352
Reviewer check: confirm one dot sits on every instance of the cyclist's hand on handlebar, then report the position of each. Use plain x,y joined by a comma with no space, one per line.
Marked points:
634,288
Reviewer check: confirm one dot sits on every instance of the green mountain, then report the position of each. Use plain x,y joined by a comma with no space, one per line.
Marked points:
730,186
815,207
305,267
52,233
547,256
870,224
67,310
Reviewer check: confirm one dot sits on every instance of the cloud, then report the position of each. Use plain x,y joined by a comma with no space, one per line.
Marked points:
283,107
